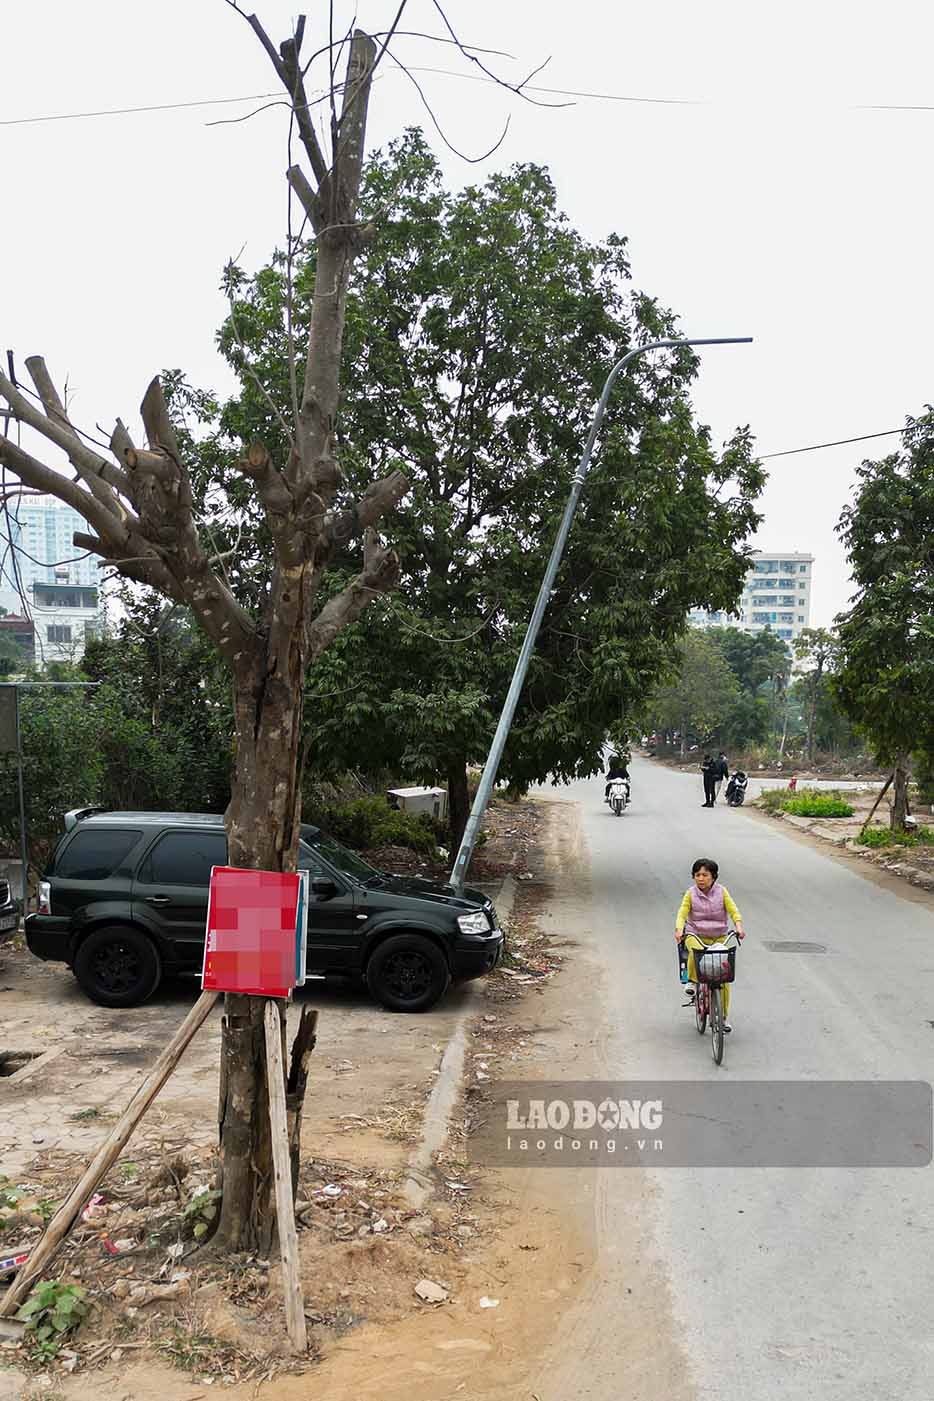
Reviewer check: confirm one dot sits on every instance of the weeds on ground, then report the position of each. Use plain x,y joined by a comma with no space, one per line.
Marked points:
9,1195
52,1311
201,1211
877,837
197,1352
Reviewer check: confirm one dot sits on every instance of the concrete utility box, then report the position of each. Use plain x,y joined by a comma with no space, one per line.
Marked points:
431,801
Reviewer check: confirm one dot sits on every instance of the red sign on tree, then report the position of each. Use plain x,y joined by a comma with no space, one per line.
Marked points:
256,932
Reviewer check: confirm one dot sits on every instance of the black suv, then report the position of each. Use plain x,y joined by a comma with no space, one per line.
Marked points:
9,913
125,899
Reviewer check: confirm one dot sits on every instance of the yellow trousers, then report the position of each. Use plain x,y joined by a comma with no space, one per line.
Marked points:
692,942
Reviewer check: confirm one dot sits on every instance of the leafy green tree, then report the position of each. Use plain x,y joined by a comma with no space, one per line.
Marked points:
754,658
62,767
155,730
168,742
885,677
699,696
12,657
819,647
479,331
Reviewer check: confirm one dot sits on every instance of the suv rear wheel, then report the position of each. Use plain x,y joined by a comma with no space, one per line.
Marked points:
118,967
408,973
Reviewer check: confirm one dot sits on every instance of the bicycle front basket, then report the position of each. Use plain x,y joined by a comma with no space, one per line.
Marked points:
715,966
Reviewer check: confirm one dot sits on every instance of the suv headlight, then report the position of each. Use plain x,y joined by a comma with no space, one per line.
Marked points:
476,923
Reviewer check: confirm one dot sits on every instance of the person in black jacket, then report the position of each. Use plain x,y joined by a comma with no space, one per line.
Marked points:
707,770
617,769
722,769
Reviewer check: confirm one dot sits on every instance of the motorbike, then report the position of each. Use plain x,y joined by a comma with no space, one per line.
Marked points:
618,796
736,789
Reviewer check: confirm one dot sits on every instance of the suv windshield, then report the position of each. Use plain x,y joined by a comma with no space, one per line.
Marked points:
344,860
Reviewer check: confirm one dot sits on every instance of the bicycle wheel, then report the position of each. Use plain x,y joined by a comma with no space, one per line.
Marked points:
716,1025
700,1008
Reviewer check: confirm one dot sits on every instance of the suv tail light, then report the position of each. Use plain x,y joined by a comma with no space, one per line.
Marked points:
45,897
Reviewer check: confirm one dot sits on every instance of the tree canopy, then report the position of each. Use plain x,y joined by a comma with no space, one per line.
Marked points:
700,694
480,328
885,677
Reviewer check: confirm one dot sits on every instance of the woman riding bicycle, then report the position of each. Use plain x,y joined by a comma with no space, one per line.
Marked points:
703,919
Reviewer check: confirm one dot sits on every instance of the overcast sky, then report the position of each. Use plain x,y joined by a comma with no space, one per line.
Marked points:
768,201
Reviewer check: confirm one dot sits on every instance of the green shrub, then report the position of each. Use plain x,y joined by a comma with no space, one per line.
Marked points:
774,799
881,836
817,805
806,802
370,822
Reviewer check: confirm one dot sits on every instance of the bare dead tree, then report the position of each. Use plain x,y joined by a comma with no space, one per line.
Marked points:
138,504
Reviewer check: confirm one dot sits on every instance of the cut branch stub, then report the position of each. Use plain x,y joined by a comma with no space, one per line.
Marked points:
154,412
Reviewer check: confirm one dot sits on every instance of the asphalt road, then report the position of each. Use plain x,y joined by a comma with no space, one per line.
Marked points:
767,1282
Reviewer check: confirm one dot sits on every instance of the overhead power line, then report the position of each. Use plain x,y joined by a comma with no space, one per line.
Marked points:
838,443
585,94
130,111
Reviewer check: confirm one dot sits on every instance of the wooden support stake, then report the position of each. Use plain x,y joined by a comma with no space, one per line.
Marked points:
302,1047
108,1153
888,783
285,1210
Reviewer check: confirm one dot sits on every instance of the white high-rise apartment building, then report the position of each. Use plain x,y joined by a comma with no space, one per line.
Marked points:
42,578
776,595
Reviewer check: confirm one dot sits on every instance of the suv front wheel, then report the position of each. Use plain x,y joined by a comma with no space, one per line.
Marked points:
118,967
408,973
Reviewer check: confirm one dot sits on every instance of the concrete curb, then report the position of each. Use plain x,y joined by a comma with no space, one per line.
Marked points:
419,1181
913,874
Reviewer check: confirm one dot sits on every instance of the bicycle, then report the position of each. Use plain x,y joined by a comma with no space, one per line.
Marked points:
715,965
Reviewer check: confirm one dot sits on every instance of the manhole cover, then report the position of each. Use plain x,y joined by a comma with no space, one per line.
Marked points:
13,1061
793,946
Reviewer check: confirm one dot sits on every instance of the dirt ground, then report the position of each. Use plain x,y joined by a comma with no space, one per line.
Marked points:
363,1248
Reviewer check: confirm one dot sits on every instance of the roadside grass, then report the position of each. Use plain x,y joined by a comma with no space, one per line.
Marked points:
806,802
878,837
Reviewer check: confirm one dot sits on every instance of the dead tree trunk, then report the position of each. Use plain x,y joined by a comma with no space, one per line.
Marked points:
262,833
141,510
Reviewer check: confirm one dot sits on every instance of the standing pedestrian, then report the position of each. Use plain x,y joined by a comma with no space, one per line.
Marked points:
707,771
721,770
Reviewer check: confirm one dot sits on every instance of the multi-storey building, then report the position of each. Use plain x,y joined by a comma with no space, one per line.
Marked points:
44,577
776,595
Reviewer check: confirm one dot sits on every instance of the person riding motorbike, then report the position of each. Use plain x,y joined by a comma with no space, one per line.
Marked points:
617,769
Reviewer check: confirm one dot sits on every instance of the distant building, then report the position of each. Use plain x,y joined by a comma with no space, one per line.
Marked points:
776,595
22,631
43,579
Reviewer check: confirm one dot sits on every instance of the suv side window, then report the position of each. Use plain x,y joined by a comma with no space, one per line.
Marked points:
309,861
95,853
185,858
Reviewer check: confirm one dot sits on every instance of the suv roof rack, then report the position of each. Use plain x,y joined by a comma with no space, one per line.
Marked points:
77,815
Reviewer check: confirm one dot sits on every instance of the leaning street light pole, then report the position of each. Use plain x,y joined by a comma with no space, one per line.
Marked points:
472,830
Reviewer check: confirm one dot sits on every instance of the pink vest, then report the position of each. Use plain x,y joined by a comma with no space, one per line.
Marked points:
707,918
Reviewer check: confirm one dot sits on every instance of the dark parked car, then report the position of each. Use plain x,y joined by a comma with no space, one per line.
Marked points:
9,913
125,898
